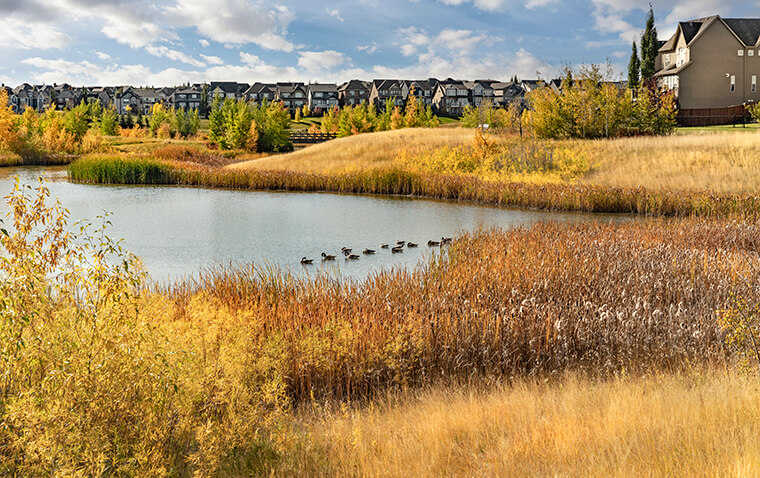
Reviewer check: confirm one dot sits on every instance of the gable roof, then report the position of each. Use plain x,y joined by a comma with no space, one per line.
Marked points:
354,85
747,29
323,87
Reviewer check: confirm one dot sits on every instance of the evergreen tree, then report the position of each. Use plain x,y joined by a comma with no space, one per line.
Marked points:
634,67
649,47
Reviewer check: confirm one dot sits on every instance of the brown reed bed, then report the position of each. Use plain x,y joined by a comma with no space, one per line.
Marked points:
598,299
556,197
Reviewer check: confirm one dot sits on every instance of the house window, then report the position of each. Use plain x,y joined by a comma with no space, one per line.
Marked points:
754,83
740,52
750,52
681,57
733,83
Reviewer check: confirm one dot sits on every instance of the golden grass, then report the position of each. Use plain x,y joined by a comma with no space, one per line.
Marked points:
720,161
365,151
723,162
702,425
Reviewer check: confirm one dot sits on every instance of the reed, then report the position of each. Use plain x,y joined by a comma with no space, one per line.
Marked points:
594,298
552,196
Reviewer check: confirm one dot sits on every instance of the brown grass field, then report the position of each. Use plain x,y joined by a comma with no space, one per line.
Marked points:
722,161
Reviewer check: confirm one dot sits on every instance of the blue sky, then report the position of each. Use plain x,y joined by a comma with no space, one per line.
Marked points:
169,42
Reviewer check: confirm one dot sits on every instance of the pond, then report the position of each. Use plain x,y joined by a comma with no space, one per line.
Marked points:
176,231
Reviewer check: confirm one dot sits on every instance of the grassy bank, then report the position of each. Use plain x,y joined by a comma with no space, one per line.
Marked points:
552,196
244,372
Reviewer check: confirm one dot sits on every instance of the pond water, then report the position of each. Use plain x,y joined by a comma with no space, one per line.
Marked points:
177,231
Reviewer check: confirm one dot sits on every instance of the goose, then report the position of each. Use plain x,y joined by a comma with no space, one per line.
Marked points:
305,261
432,243
411,244
445,240
368,251
327,257
383,246
346,250
397,249
351,257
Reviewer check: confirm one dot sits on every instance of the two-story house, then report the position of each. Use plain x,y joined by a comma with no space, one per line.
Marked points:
423,90
451,97
148,97
292,95
384,90
481,92
712,62
30,97
322,97
12,98
507,93
186,99
260,92
354,92
227,90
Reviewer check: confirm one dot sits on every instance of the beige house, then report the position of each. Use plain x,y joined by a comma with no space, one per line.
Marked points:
712,62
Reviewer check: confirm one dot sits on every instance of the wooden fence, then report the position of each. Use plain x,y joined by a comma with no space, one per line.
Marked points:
303,137
712,116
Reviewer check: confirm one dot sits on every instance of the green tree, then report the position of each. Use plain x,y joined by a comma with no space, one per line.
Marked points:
649,47
109,121
634,68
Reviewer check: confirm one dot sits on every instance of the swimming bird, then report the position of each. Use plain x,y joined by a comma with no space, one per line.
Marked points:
445,240
400,243
411,244
397,249
368,251
327,257
304,260
383,246
346,250
351,257
434,243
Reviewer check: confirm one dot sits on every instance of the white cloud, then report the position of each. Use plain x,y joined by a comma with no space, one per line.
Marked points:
235,22
171,54
316,61
204,43
368,49
101,55
28,35
458,41
531,4
212,60
335,13
412,39
487,5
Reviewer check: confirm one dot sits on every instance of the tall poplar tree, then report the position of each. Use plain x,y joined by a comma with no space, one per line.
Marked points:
649,47
634,67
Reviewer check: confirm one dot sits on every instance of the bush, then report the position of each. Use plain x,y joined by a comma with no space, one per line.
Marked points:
238,125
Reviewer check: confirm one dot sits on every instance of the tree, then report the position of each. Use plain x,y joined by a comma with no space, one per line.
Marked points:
634,67
305,111
649,47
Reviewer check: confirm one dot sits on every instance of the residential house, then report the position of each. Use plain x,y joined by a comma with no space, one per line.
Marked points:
260,92
186,99
29,97
64,96
105,95
423,90
292,95
354,92
507,93
227,90
384,90
321,97
451,97
712,62
12,98
481,92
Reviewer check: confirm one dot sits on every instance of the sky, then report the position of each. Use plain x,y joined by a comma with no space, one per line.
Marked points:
172,42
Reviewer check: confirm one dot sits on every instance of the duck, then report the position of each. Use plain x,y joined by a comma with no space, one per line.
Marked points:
368,251
411,244
327,257
397,249
305,261
346,250
432,243
445,240
400,243
383,246
351,257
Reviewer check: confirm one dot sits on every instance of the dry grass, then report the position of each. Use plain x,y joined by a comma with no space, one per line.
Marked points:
365,151
724,162
701,425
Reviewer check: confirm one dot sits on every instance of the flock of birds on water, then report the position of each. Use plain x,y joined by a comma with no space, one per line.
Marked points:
398,248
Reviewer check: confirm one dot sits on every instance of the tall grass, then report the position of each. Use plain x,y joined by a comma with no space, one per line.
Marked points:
100,375
557,197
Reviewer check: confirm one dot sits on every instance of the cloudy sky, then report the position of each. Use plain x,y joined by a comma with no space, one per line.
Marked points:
169,42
